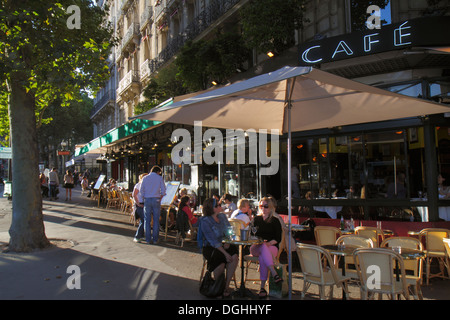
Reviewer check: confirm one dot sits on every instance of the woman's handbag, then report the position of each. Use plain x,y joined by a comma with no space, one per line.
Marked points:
280,289
210,287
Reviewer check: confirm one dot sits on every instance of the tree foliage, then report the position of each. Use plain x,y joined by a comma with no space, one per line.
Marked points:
269,25
42,60
70,123
162,86
204,61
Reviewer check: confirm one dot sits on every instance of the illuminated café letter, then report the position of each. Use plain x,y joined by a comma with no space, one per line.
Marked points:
344,48
399,34
368,42
305,54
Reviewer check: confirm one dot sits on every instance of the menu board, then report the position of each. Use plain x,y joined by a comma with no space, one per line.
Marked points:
171,191
99,182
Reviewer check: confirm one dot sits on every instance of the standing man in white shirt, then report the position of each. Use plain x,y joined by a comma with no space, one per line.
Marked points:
53,181
153,190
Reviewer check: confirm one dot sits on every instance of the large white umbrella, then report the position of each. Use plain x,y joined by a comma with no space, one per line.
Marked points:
293,99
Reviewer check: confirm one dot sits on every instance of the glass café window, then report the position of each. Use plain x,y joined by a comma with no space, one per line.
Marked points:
338,166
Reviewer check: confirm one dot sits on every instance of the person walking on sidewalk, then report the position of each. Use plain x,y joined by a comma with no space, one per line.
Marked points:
138,211
153,190
68,184
53,182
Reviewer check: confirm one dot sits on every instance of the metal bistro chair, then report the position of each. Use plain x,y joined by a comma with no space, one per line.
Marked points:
311,260
381,280
435,249
413,266
372,233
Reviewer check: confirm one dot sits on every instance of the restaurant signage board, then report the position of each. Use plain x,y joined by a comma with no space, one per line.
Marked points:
5,153
171,191
420,32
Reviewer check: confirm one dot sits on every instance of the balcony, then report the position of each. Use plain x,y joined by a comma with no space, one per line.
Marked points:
160,9
125,4
103,99
118,52
132,35
146,17
147,68
204,20
131,80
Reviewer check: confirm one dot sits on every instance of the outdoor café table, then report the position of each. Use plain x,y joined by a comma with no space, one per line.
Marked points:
242,291
300,227
341,251
352,231
407,254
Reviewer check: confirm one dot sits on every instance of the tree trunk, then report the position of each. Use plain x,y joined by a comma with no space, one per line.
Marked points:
27,230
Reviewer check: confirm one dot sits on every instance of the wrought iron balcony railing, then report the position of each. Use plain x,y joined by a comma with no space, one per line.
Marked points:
130,77
132,31
199,24
102,99
146,16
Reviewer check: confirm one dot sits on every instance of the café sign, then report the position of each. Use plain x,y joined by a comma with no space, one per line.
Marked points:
429,31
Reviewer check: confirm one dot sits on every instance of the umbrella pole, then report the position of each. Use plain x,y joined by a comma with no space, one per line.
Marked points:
289,201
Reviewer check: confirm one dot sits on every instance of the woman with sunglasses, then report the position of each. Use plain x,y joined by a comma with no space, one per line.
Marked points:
270,230
219,256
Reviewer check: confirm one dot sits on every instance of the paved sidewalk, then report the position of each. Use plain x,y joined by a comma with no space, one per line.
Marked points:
101,243
112,266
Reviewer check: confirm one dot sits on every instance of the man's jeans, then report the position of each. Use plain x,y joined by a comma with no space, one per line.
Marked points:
152,209
53,190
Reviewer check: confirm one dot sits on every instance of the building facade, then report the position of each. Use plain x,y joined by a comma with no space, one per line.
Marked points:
357,162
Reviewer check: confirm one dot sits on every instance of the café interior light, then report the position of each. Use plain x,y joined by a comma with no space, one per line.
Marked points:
270,54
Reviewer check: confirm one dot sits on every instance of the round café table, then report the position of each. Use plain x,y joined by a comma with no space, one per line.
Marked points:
243,292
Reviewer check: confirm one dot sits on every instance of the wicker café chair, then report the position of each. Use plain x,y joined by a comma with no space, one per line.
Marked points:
414,267
311,260
353,241
435,249
237,226
382,280
447,246
372,233
326,235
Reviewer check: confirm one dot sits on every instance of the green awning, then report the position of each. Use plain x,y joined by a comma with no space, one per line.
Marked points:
125,130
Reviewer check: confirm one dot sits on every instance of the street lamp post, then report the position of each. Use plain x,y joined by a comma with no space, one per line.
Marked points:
63,148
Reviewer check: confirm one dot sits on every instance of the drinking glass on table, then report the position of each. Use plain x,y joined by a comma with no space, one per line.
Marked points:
230,233
254,230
